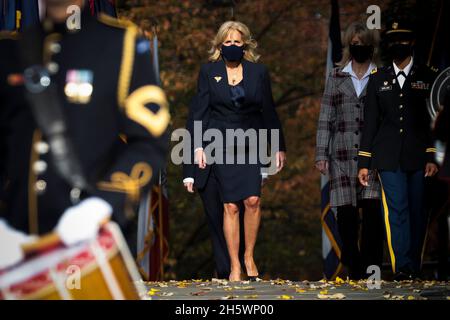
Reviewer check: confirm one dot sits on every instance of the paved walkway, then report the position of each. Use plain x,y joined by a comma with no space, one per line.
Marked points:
288,290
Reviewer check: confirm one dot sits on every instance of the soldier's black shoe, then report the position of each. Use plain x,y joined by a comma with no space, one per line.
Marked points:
417,276
402,276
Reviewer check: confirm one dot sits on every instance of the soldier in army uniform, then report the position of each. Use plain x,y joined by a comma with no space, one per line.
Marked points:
106,149
397,141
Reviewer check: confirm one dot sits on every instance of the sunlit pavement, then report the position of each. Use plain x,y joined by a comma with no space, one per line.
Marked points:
288,290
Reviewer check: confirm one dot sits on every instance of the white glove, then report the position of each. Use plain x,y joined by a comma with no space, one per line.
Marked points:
11,242
82,222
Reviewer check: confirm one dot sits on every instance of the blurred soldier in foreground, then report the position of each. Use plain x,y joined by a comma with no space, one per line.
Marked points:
82,124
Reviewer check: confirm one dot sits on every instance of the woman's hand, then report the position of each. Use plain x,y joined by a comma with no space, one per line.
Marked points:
189,186
281,160
200,157
431,169
322,166
363,176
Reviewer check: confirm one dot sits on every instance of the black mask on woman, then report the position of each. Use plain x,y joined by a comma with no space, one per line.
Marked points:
233,53
400,51
361,53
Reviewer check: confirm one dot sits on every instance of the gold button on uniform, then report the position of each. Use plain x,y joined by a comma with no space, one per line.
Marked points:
41,147
401,130
55,47
400,106
53,67
40,186
401,118
39,167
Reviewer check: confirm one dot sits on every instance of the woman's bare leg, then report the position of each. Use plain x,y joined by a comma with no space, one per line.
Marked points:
231,232
252,220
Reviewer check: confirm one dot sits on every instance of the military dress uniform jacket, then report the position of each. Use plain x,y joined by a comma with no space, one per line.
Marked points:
397,130
116,119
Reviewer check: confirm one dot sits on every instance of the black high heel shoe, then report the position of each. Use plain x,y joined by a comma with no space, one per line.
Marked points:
253,278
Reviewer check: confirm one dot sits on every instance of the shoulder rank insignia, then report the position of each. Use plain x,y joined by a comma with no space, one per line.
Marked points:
434,69
135,108
374,70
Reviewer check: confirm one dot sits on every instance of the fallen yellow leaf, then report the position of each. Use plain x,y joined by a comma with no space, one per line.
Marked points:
285,297
152,292
337,296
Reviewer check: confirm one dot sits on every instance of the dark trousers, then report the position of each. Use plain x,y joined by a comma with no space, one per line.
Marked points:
213,206
358,253
404,217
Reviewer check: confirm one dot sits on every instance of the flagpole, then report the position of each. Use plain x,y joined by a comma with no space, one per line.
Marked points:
331,252
158,188
436,30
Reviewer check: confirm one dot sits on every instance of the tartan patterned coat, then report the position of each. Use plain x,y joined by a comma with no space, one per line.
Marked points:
338,139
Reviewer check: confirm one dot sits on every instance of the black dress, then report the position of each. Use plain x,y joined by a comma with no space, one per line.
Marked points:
247,106
237,180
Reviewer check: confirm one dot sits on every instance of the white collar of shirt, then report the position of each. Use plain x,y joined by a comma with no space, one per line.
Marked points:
349,69
358,84
406,70
401,79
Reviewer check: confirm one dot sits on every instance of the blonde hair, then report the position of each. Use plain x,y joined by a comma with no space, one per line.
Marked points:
368,37
250,44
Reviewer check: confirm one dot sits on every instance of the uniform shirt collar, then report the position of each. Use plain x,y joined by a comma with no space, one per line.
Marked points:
407,69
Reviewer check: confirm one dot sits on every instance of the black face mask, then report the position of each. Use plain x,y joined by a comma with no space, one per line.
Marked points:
399,51
361,53
233,53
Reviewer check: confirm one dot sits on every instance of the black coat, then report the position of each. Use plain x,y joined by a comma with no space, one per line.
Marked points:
397,131
119,153
213,101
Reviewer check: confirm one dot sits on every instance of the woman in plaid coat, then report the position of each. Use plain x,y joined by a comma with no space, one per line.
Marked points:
338,135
